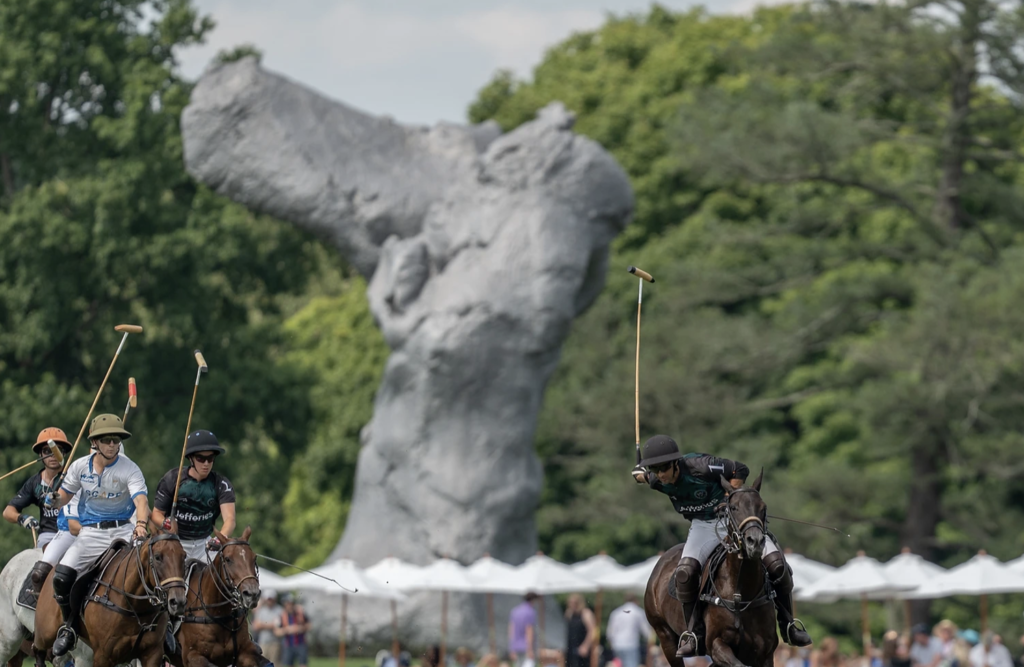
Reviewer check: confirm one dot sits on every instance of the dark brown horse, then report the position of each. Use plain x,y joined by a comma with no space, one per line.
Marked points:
738,610
214,629
127,614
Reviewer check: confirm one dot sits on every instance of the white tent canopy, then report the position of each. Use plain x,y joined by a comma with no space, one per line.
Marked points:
911,569
806,571
860,576
597,567
270,581
445,574
350,579
632,577
490,575
981,575
396,574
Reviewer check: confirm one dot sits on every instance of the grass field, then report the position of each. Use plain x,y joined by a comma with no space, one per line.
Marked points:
352,661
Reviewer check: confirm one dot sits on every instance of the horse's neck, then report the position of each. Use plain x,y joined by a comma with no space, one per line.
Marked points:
126,576
743,576
209,590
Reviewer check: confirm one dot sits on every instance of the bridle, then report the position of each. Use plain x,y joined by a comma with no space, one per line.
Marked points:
155,595
228,588
736,531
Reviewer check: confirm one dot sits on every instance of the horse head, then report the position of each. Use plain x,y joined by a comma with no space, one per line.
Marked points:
745,516
163,560
234,570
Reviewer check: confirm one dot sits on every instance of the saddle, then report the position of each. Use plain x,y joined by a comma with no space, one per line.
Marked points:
83,585
706,592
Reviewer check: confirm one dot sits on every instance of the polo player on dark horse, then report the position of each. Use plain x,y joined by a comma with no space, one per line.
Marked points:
692,482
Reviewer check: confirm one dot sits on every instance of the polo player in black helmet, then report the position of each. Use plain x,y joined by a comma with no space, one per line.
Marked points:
204,496
691,481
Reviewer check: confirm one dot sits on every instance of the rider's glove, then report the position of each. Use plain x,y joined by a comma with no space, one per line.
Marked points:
27,521
167,523
213,544
51,499
640,475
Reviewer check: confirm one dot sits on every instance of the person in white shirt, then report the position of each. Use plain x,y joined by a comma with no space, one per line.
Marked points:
110,488
989,653
629,632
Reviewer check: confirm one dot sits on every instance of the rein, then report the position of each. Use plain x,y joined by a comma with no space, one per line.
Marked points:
155,596
234,620
732,543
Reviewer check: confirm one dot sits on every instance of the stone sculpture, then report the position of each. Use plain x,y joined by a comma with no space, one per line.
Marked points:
480,249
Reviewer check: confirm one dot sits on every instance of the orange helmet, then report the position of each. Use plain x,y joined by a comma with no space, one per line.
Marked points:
51,433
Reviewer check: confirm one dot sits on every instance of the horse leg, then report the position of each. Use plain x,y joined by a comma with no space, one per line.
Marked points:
194,660
252,657
668,640
723,656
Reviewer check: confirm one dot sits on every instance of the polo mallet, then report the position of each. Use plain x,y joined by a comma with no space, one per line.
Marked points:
133,399
201,362
54,449
126,329
643,275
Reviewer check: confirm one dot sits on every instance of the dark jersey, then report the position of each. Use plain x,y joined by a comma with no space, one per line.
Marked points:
33,492
198,502
698,490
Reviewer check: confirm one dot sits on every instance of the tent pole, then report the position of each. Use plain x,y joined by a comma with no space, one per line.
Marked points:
344,619
865,628
395,649
491,631
983,603
444,627
595,650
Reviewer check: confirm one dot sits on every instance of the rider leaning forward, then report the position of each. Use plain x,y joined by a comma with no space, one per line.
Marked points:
692,483
204,496
110,488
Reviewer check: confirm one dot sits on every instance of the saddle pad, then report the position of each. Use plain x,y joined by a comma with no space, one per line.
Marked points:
24,596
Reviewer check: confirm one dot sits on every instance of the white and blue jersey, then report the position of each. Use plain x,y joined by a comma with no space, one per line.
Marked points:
106,496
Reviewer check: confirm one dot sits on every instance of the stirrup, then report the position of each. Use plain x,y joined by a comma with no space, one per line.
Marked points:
69,637
686,640
795,624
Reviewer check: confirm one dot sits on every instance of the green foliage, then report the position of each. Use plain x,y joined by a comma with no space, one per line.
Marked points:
102,225
828,197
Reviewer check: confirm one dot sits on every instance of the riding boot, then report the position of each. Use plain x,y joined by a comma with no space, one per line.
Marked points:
688,592
792,629
63,579
29,595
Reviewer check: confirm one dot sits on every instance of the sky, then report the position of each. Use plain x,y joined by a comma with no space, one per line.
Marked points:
417,61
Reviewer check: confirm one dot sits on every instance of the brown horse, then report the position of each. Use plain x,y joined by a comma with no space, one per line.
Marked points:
214,629
126,615
738,610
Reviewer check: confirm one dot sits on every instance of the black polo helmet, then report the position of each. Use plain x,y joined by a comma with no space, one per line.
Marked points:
202,441
659,449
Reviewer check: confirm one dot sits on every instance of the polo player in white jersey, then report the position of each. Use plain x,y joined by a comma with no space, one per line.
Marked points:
110,489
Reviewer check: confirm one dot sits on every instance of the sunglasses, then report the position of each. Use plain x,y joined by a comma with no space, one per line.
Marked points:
110,440
199,458
661,467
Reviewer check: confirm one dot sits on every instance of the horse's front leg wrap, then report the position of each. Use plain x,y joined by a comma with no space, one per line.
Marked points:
781,578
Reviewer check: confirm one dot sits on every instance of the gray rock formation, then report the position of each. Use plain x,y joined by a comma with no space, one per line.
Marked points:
480,249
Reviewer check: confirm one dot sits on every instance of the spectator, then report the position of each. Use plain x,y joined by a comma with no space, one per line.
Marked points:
463,656
926,651
293,628
266,620
629,632
522,628
432,656
946,631
827,655
1020,660
656,657
551,657
581,632
989,653
489,660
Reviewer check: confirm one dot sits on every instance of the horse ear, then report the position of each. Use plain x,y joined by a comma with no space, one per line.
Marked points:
246,533
757,482
725,484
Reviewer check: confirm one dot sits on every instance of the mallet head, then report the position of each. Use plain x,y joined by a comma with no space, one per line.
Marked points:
128,328
641,273
55,450
201,361
133,393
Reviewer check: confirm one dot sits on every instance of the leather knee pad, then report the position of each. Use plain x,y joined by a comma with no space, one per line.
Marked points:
778,570
40,571
63,579
688,579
